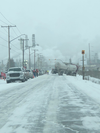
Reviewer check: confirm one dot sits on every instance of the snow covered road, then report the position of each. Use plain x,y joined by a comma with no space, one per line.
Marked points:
50,104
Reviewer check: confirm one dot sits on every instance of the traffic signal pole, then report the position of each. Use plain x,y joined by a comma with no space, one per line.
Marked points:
83,66
23,53
83,51
34,59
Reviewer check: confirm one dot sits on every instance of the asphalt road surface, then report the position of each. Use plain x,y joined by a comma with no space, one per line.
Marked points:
47,104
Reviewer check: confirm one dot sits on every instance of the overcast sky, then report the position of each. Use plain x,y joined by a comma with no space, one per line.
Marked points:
67,25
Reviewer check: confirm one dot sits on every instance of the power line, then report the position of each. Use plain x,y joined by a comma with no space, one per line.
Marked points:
14,31
6,33
6,19
11,48
15,47
16,55
3,45
3,39
10,23
8,40
5,30
3,33
18,30
14,50
3,22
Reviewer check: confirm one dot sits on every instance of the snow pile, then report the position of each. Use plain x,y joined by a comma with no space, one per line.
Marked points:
95,80
5,86
87,86
91,122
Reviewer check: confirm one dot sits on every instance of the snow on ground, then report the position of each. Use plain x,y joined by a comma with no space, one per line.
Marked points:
91,88
5,86
48,103
87,86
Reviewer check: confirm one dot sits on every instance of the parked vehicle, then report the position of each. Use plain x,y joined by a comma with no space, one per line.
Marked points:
29,73
16,73
40,72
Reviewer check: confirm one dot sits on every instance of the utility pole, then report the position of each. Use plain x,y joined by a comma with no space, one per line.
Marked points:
34,57
89,58
70,61
29,58
41,61
83,52
83,66
28,47
23,53
23,50
9,26
38,61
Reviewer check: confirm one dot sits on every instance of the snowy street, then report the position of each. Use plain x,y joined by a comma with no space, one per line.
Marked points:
50,104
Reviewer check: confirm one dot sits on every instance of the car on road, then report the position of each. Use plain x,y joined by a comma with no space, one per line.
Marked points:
41,72
29,73
16,73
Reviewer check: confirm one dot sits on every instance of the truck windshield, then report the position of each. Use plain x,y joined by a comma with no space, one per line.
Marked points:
15,69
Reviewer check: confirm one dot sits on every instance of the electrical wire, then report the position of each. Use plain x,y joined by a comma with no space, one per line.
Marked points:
3,22
6,33
7,23
3,45
14,31
12,48
5,30
6,18
3,33
18,30
3,39
10,23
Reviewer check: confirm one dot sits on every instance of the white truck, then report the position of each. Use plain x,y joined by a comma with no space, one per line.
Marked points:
16,73
66,68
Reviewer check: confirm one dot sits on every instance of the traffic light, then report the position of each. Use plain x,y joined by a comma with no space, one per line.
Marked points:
83,51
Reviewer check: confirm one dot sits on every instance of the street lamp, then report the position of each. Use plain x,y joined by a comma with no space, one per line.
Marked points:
17,37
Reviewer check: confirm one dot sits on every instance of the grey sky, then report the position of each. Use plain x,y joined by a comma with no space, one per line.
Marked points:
68,24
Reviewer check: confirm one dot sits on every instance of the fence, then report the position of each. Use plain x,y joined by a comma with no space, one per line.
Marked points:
95,74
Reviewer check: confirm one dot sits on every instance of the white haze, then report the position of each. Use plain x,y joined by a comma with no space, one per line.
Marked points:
63,28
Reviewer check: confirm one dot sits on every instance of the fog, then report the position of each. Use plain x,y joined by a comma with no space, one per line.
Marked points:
63,28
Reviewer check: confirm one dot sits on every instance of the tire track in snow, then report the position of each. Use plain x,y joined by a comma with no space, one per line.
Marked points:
10,99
